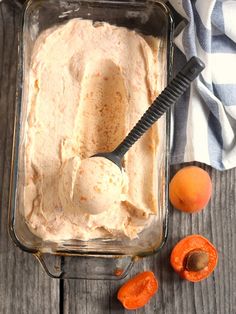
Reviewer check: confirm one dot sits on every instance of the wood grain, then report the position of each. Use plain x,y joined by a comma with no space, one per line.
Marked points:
24,287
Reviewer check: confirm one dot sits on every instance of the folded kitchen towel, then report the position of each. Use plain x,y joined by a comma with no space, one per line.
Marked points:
204,120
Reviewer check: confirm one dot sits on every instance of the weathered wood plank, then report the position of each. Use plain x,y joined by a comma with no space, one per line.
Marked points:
24,287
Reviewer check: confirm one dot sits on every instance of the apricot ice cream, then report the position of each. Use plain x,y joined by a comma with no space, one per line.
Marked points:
92,184
88,84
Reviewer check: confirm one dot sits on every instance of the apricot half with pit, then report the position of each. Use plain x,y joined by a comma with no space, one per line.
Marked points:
190,189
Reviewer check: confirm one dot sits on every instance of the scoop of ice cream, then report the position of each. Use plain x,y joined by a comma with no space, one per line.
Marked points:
93,185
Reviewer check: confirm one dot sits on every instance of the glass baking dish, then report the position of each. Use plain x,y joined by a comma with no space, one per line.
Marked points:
98,258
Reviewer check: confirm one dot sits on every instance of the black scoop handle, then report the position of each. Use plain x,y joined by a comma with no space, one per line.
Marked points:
161,104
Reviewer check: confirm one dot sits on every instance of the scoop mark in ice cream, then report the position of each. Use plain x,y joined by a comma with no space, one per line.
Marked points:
87,87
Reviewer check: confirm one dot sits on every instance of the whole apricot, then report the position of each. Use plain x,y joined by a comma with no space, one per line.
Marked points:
190,189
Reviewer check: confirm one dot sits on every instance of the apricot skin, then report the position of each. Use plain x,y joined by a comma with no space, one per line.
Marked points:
190,189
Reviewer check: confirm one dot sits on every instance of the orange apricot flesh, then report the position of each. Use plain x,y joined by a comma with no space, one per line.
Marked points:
190,189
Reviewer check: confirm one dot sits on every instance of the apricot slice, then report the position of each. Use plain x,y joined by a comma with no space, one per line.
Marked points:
137,291
190,189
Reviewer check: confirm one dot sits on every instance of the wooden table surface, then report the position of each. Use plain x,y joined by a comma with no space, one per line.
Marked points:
25,287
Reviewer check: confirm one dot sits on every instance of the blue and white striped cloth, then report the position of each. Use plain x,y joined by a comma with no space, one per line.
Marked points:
204,120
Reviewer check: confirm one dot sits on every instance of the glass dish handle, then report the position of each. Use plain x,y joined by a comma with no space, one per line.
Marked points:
85,267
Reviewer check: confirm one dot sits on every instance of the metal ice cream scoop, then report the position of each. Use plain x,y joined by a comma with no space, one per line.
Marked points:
161,104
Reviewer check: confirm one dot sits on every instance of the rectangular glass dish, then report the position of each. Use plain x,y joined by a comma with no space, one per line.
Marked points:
102,256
